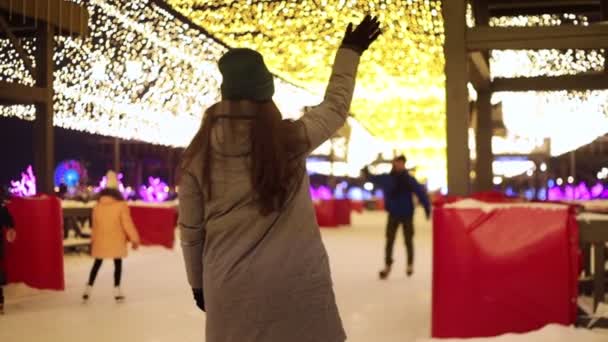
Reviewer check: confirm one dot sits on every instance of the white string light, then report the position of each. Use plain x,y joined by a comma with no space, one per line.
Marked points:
570,119
142,74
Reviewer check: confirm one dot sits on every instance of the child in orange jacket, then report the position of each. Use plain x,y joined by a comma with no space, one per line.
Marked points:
112,229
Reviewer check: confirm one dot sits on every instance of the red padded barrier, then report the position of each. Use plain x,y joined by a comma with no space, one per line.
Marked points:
357,206
326,213
155,225
342,208
511,269
36,256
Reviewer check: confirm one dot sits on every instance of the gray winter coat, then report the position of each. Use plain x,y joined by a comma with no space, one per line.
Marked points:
265,278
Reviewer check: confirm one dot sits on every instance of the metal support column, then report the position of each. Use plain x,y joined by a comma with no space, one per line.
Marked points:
457,105
44,139
483,136
604,17
483,143
116,155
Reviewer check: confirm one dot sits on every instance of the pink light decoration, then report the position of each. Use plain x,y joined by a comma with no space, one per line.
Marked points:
126,192
597,190
25,187
555,194
321,193
580,192
157,191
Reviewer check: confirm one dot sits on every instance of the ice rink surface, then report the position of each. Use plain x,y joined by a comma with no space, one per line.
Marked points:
159,307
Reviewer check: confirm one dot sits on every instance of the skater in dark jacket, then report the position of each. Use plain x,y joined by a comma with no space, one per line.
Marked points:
6,222
399,187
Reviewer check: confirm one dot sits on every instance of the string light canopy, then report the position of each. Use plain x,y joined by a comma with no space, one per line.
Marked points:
143,74
400,90
569,118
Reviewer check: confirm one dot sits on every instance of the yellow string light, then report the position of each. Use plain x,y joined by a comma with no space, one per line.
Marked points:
142,74
400,92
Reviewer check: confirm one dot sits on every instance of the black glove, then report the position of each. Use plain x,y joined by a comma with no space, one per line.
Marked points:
363,35
199,298
427,211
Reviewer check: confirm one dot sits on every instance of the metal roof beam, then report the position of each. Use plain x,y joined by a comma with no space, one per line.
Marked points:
596,81
67,17
534,38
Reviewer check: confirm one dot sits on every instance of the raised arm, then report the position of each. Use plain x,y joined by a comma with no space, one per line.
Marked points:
323,121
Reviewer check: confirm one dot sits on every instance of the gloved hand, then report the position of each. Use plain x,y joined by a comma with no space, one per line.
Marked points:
363,35
427,211
199,298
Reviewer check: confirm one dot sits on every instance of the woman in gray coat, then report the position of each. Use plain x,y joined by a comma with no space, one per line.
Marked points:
252,247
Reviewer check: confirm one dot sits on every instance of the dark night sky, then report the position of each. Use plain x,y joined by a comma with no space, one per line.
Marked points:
16,147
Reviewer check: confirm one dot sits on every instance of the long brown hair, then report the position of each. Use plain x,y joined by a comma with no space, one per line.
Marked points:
275,145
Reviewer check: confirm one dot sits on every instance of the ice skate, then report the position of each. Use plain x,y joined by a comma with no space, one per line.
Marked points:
87,293
118,296
385,272
409,270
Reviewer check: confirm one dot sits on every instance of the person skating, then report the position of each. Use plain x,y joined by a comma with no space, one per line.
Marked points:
6,222
252,247
399,187
112,230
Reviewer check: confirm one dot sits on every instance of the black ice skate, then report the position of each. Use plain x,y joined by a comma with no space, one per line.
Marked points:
409,270
87,293
118,296
385,272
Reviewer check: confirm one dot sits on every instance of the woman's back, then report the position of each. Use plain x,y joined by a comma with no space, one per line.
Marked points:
265,274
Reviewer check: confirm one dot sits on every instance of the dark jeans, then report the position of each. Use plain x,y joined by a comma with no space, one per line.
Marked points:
391,232
117,271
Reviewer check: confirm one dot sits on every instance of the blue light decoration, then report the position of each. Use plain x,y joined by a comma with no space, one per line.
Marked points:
359,194
70,173
510,192
529,194
355,194
340,191
542,194
379,193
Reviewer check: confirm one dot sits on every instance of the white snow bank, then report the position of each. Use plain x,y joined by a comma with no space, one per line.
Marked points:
91,204
550,333
487,207
587,217
77,204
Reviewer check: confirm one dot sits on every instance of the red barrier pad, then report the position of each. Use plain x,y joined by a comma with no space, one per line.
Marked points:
512,268
156,225
36,256
357,206
326,213
379,204
342,209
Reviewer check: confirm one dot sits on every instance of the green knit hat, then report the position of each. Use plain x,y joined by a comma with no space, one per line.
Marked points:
245,76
